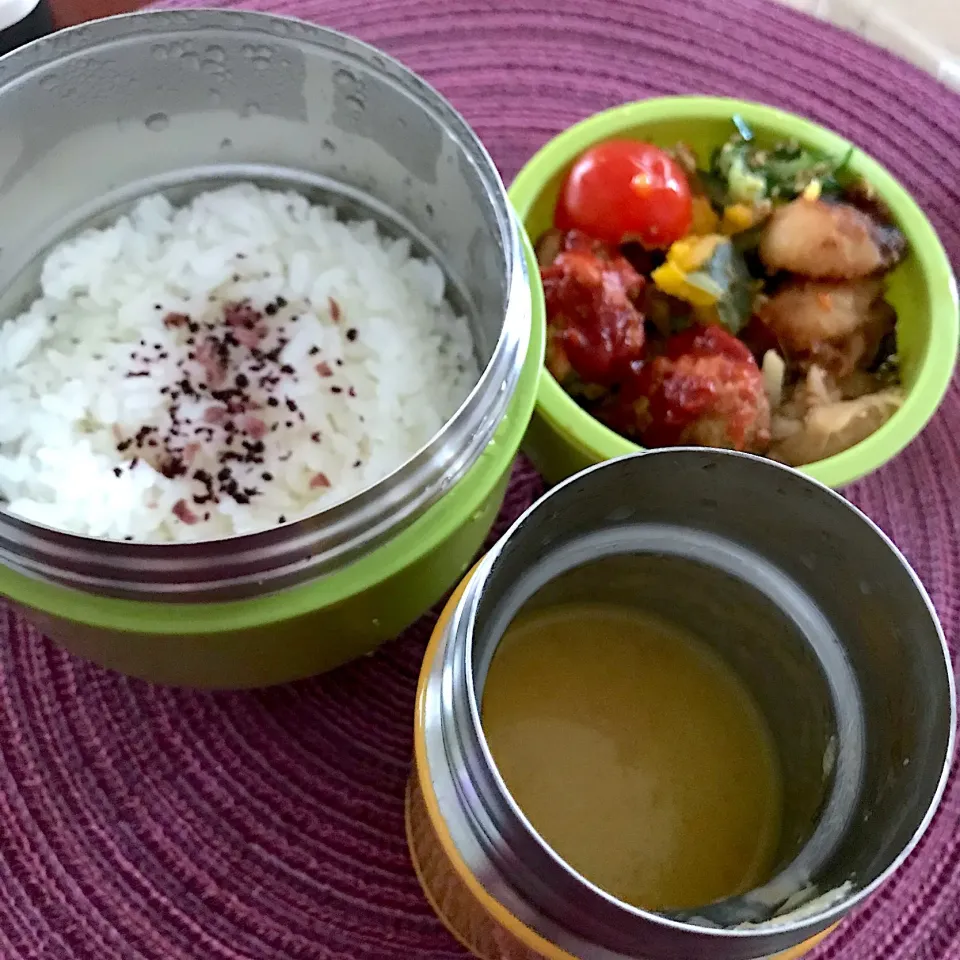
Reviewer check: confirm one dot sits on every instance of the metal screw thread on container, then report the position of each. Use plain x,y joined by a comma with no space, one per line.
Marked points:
778,535
335,118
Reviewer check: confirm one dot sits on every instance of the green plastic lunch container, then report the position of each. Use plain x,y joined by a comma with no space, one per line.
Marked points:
563,438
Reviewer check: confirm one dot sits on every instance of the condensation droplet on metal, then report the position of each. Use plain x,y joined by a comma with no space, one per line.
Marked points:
157,122
226,143
259,56
159,51
250,109
328,146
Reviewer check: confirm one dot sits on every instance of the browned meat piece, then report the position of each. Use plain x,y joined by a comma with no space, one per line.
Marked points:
705,388
828,241
837,325
594,329
804,313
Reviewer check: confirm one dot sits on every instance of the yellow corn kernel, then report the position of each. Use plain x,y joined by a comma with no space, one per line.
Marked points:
705,220
812,190
672,280
737,218
691,254
680,252
668,277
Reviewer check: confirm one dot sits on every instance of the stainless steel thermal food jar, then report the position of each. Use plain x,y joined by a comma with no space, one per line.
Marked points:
808,602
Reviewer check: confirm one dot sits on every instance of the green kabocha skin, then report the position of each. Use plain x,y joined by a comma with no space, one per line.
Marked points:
563,438
309,628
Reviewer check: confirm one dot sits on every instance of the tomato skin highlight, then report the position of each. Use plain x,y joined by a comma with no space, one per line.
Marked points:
625,190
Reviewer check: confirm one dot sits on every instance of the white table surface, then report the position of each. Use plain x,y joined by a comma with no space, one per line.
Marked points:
925,32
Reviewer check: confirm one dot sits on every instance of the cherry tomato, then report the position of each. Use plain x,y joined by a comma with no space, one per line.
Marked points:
626,190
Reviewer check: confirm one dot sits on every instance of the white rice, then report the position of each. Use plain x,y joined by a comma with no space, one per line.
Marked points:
362,355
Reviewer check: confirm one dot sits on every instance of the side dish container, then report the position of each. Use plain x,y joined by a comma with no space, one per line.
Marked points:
564,438
97,116
802,596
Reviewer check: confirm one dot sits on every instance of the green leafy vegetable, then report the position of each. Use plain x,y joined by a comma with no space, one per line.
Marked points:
886,366
751,173
714,187
733,165
725,275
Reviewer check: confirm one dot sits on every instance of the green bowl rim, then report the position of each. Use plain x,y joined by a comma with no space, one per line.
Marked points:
935,370
410,545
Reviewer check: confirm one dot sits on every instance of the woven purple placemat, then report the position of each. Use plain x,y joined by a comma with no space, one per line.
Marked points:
149,824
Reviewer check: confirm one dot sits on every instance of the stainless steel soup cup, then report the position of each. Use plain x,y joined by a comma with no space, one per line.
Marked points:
804,597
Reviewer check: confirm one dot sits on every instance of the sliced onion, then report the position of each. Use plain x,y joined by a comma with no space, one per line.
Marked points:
774,373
